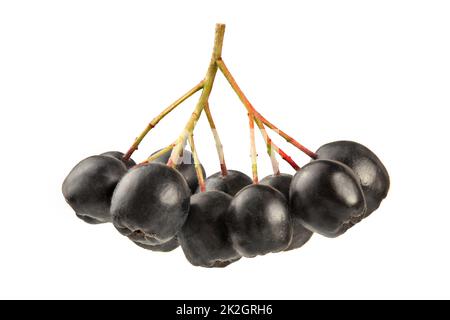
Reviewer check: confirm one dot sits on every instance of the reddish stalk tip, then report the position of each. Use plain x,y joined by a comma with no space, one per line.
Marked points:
223,169
127,155
224,69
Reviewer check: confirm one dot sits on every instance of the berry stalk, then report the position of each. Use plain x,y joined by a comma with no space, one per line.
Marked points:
286,157
198,169
159,117
223,68
270,145
207,87
219,146
253,154
159,153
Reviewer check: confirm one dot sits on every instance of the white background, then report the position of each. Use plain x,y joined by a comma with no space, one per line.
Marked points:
82,77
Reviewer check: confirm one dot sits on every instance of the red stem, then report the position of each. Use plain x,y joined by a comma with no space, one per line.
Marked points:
283,155
288,138
247,103
288,159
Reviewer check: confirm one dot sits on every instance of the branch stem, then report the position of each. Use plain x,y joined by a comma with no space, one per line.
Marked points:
272,147
253,154
219,146
207,87
223,68
159,153
159,117
198,169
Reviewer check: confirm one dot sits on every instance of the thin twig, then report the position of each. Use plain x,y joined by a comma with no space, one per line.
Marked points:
159,153
159,117
253,153
271,147
223,68
219,146
198,169
207,87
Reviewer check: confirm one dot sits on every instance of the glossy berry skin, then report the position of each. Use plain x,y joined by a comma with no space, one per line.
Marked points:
231,184
282,183
189,173
150,203
366,165
185,166
327,198
300,234
168,246
90,220
204,237
89,186
259,221
119,155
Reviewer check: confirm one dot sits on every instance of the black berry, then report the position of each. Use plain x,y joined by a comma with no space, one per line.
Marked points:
150,203
204,237
365,164
232,183
300,234
259,221
88,188
185,166
327,198
119,155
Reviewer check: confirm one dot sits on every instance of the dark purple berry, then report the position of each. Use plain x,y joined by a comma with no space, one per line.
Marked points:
365,164
119,155
326,197
259,221
232,183
88,188
170,245
185,166
282,183
150,203
204,237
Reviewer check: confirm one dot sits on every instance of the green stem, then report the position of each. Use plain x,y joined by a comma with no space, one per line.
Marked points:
253,154
271,147
198,169
207,87
159,153
159,117
219,146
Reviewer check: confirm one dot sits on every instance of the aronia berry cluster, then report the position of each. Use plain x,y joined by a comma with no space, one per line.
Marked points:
167,201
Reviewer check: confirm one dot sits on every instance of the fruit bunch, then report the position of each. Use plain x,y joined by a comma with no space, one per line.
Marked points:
166,201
